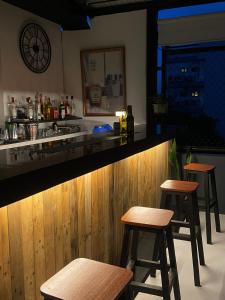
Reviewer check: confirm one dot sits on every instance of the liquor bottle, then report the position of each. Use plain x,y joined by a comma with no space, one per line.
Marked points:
49,110
62,111
45,108
37,115
130,120
73,106
42,106
12,109
55,110
30,109
67,107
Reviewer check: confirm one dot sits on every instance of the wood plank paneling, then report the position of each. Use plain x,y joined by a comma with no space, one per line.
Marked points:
73,219
49,231
66,234
79,218
28,251
5,272
39,243
81,230
16,251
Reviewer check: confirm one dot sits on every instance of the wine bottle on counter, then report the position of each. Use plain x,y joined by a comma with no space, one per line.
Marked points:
130,120
123,122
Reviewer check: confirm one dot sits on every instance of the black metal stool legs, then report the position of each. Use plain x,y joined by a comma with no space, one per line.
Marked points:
125,247
199,235
129,260
173,264
215,200
209,179
164,267
194,249
207,210
193,223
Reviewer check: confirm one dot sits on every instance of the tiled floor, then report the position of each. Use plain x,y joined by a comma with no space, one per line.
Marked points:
212,275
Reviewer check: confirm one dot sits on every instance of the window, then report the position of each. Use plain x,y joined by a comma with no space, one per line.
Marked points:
195,90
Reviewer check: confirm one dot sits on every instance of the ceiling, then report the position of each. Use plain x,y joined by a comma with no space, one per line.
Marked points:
72,14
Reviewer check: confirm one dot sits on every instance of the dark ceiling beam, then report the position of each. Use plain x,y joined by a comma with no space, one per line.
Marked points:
71,14
159,4
57,11
118,8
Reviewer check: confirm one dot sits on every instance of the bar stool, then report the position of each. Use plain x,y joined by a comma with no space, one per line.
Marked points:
85,279
185,191
209,176
138,219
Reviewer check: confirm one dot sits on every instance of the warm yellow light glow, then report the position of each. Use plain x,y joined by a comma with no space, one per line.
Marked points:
120,113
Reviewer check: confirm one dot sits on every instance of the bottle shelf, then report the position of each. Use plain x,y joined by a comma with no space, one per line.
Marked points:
27,121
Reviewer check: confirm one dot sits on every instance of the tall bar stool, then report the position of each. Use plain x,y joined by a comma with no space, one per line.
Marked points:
209,176
138,219
185,191
85,279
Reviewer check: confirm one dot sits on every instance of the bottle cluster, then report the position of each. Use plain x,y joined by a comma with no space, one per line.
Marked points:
41,108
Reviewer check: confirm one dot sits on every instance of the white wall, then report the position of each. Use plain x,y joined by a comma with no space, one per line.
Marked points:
124,29
193,29
15,77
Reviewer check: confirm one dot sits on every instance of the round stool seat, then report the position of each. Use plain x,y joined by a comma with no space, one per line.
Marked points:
87,280
147,217
179,186
197,167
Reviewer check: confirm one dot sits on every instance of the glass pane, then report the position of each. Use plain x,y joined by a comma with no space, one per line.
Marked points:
191,10
159,57
159,82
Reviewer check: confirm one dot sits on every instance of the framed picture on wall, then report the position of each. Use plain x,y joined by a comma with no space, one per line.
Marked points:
103,81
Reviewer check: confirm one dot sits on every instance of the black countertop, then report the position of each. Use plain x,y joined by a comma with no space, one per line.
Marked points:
28,170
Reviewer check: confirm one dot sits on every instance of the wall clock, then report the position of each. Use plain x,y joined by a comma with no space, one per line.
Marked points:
35,48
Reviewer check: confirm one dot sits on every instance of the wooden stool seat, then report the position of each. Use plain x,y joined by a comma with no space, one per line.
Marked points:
179,186
147,217
197,167
85,279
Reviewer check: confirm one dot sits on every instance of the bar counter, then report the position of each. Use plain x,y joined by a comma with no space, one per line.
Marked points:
67,199
39,167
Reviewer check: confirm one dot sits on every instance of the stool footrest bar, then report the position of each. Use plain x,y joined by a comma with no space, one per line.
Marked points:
146,288
149,264
180,223
181,236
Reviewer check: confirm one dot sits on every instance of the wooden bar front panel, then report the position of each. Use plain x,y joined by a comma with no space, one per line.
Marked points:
79,218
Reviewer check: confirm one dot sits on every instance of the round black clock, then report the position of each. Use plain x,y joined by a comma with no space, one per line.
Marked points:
35,48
